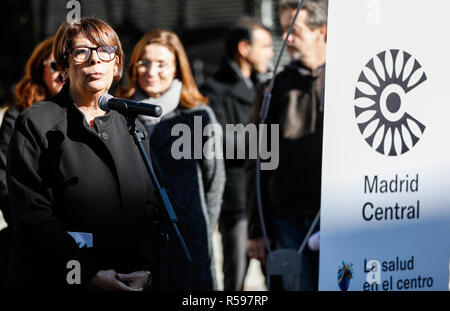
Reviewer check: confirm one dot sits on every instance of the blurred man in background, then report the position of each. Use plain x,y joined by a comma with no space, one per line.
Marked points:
291,193
232,92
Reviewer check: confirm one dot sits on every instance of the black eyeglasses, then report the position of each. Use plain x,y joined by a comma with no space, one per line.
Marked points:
82,54
52,65
162,66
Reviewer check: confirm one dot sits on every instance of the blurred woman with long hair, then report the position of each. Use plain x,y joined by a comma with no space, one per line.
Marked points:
159,73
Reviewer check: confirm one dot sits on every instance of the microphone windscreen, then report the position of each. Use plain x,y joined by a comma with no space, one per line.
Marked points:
314,241
103,101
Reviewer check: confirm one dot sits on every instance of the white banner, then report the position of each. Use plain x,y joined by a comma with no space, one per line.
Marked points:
385,218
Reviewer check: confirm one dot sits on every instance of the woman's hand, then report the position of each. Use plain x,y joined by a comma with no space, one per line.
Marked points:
137,280
109,280
257,249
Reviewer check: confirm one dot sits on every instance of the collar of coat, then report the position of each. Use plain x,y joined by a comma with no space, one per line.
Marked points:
64,99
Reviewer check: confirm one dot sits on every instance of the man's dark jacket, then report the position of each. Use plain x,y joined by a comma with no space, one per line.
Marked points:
232,100
293,188
63,176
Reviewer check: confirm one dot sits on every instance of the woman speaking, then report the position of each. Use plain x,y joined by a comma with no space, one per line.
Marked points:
78,187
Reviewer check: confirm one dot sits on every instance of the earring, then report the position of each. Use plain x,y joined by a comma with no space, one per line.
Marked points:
61,78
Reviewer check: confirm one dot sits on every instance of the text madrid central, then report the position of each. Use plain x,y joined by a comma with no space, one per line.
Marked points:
397,211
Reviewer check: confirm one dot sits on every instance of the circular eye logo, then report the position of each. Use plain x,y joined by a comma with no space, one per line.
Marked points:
381,102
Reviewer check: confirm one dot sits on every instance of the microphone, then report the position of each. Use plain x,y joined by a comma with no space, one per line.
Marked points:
107,102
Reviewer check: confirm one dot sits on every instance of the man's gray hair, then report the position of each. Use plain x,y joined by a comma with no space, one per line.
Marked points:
317,10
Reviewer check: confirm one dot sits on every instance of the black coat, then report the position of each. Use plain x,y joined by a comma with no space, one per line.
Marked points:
195,188
232,100
64,176
293,188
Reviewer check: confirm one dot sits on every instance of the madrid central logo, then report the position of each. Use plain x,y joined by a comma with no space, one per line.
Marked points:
381,102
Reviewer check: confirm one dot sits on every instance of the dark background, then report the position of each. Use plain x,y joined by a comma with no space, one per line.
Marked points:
201,25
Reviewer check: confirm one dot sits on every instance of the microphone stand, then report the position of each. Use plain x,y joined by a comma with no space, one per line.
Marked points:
281,261
162,218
